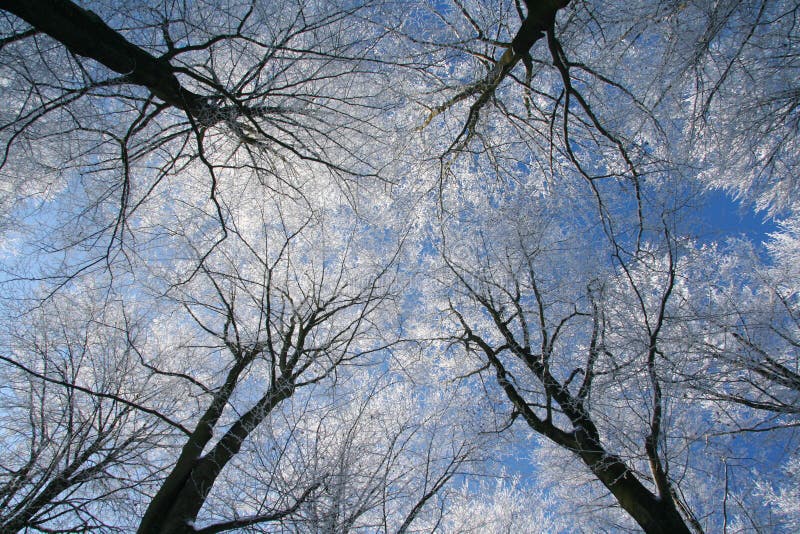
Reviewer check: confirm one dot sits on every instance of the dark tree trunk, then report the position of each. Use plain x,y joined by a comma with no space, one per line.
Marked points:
85,34
177,504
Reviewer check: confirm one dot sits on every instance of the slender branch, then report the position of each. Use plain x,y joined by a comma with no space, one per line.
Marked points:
249,521
99,394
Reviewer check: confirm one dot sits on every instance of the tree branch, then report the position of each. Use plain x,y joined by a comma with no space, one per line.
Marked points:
256,519
102,395
85,34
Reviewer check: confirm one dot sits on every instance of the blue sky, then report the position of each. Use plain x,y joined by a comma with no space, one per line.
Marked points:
722,217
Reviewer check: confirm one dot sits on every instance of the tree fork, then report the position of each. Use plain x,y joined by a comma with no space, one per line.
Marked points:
84,33
177,505
541,17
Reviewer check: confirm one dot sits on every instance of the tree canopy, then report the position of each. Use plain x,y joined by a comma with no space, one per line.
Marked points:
399,266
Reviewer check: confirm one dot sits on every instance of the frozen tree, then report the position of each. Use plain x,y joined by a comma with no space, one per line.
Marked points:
100,120
580,135
77,435
549,345
204,165
350,255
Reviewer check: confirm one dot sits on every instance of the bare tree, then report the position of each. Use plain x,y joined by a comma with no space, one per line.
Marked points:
556,393
281,308
99,121
320,235
75,434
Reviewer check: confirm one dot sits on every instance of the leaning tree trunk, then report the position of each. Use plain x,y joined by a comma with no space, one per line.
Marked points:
175,507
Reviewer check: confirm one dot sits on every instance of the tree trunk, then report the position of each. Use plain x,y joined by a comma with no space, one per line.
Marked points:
176,506
654,514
